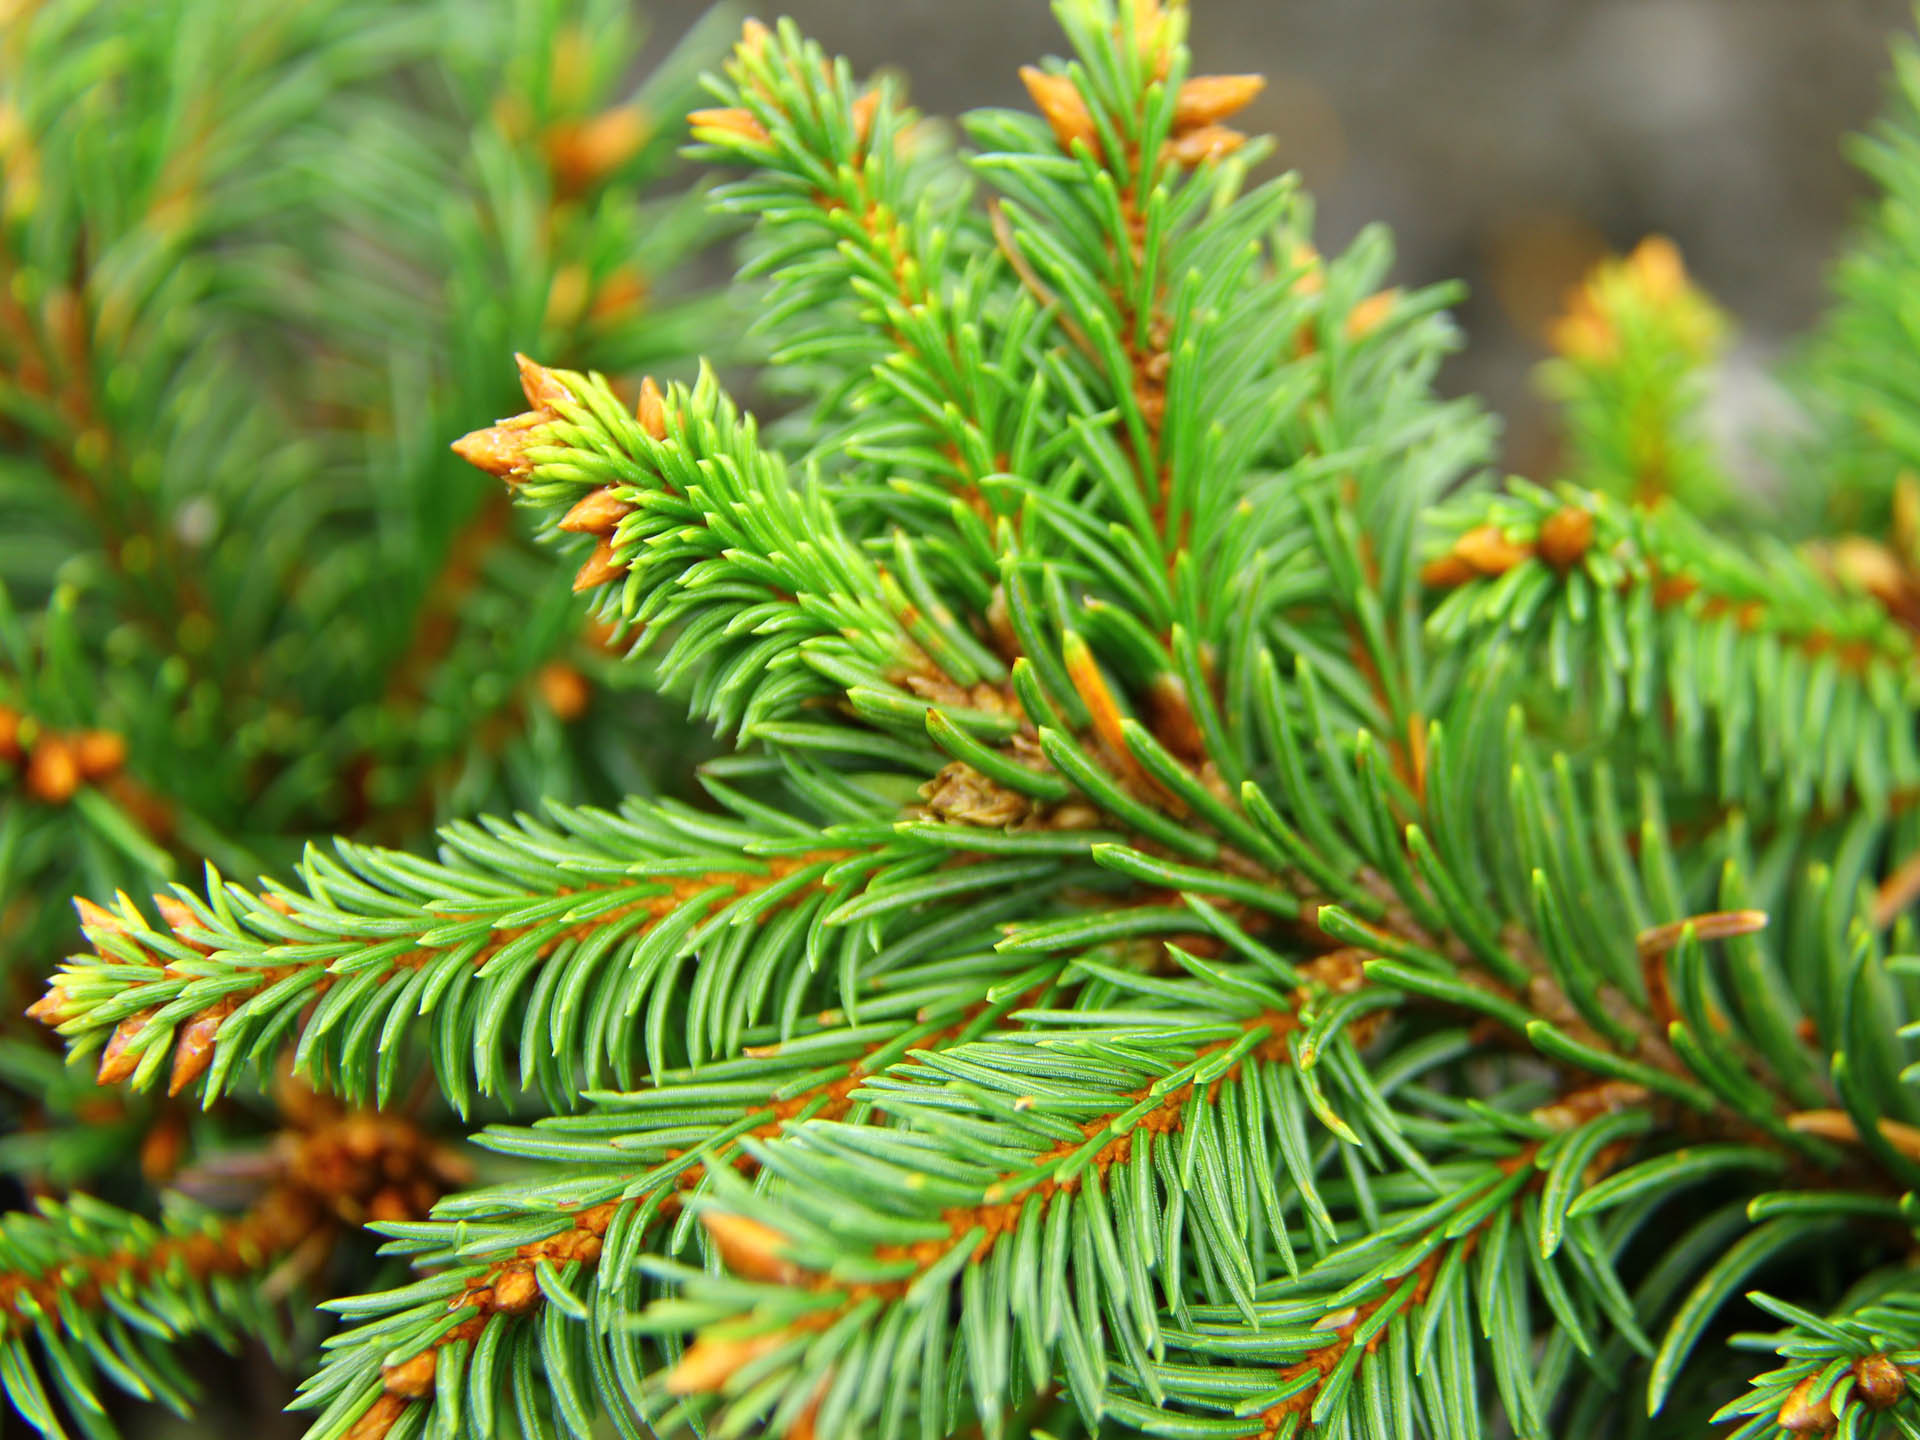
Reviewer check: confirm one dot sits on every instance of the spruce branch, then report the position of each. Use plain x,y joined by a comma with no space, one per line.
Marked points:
863,205
454,1348
100,1293
1691,642
1633,349
1856,377
704,531
1153,945
503,941
1852,1366
1338,841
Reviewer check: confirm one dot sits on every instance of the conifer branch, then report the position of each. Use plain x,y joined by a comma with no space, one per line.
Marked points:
100,1292
1153,945
96,1289
693,519
503,937
495,1279
1633,350
1644,615
843,178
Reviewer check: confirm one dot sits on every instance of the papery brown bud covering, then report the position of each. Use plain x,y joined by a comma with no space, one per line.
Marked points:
516,1290
1879,1382
710,1360
177,914
117,1062
193,1049
51,1008
1488,551
498,450
411,1378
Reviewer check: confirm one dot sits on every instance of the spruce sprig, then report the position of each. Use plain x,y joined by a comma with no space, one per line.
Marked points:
1221,921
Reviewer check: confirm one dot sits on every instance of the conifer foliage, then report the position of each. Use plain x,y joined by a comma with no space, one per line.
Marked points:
257,262
1221,917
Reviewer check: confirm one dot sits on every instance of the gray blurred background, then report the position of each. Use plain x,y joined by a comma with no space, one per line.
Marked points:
1508,143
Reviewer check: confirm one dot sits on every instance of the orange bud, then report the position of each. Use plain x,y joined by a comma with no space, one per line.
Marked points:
754,37
411,1378
99,752
1488,551
1879,1382
9,733
1565,536
1060,102
51,1008
193,1051
116,1062
1446,572
542,387
1656,263
621,293
1209,142
1209,98
176,912
53,770
1804,1412
1866,564
515,1290
600,567
1150,36
863,113
733,121
750,1248
379,1418
1371,313
567,296
499,450
93,918
391,1204
162,1147
585,153
1313,275
651,412
564,689
596,514
710,1360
